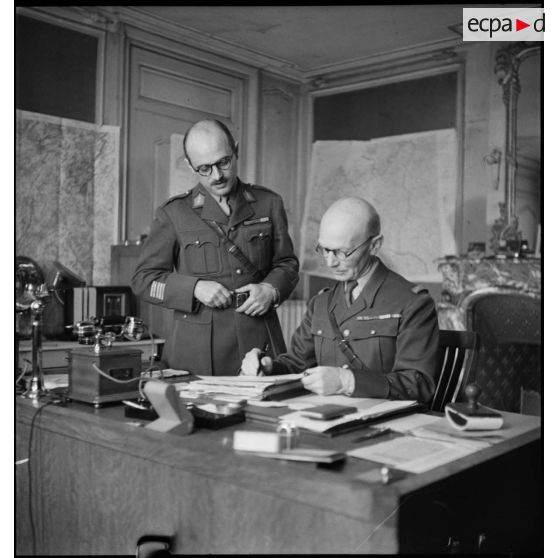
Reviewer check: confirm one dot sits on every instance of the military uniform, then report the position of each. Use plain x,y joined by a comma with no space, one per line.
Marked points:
392,327
182,249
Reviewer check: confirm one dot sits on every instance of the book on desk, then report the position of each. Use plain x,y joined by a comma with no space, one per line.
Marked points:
375,411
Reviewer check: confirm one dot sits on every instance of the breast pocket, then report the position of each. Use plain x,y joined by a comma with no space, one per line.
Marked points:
325,344
258,242
375,342
202,255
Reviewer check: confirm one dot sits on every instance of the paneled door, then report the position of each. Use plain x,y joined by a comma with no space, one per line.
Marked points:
167,95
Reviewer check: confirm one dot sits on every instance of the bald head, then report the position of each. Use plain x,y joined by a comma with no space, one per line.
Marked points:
352,226
353,218
207,131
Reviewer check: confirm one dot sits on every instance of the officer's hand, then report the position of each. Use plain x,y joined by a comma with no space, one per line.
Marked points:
260,299
323,380
251,363
212,294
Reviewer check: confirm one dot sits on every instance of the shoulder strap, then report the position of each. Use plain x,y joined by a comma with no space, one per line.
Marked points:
342,343
233,249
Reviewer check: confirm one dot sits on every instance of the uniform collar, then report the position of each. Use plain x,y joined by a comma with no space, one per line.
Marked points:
363,280
240,200
367,295
373,284
241,204
207,204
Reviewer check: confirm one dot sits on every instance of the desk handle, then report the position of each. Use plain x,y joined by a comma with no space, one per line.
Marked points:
153,546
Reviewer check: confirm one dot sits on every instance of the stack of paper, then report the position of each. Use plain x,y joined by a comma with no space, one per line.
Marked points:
378,409
242,388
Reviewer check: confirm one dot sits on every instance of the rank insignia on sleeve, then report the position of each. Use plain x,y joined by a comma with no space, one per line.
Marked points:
157,290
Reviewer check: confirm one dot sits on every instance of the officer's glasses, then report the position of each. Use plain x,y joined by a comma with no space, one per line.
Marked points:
222,164
337,253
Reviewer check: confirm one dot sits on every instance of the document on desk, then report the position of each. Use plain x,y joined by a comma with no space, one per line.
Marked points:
409,422
312,400
243,388
416,454
376,409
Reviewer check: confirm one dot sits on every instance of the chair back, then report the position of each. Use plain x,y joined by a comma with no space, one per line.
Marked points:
456,352
509,357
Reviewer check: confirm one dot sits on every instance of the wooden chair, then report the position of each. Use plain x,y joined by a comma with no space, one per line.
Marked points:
456,352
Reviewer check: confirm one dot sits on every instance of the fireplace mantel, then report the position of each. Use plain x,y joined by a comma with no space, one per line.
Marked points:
463,276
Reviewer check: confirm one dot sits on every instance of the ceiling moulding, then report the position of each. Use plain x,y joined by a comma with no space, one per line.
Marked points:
202,41
388,58
76,18
417,64
283,68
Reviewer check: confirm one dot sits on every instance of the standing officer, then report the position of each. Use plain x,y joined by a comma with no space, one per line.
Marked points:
374,334
208,248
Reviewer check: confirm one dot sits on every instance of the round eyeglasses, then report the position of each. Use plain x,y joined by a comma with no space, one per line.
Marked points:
222,164
337,253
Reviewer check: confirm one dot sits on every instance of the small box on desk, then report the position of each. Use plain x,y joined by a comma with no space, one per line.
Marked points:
87,384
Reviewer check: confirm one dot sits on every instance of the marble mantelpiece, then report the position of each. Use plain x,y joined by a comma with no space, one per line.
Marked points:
462,276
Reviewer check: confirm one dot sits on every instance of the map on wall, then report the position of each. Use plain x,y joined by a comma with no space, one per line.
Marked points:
410,179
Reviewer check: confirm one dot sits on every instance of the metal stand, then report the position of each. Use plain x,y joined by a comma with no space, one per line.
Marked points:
36,389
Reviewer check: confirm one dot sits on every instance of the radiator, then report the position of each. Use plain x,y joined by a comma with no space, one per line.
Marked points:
290,315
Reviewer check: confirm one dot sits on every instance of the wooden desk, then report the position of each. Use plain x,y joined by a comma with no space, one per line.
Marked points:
98,484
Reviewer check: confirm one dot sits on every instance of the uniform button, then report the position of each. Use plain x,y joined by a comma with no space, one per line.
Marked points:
185,316
372,331
346,332
261,235
319,331
232,228
197,242
239,271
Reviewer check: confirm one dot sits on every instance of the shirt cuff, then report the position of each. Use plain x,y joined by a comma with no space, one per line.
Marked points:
347,381
275,293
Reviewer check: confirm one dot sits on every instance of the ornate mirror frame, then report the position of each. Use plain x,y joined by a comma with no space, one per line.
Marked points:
508,60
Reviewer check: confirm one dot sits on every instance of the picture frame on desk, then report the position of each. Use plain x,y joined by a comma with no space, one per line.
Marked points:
115,303
83,303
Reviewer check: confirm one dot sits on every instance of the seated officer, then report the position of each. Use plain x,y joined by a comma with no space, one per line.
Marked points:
374,334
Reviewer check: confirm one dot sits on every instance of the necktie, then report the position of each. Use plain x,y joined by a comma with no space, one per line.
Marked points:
349,287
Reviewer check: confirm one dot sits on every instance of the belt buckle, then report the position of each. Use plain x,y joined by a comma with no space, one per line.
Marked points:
239,299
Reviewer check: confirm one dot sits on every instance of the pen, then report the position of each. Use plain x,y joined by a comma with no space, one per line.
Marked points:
262,354
375,433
